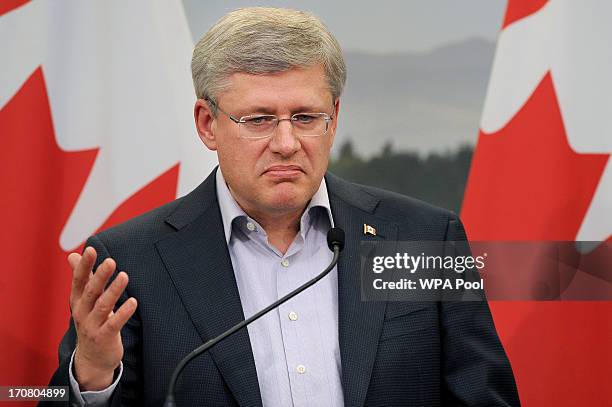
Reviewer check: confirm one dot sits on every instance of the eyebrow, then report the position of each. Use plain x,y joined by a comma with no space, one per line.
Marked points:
267,110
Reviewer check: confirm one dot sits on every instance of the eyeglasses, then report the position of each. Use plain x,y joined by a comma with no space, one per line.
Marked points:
257,126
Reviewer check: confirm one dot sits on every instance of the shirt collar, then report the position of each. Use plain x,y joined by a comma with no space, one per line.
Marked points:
230,209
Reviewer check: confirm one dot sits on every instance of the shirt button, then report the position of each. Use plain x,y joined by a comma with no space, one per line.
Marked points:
301,369
293,316
251,226
285,263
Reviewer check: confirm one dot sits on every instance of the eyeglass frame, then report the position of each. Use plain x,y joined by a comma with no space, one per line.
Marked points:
328,118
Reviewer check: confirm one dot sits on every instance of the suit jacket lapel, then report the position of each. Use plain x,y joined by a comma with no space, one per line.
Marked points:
359,322
198,261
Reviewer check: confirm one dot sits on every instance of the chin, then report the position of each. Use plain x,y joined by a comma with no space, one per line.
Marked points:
287,204
289,198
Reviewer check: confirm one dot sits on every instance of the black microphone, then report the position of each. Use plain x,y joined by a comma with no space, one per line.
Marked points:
335,237
335,242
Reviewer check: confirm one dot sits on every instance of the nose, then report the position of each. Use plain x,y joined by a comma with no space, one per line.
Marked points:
283,141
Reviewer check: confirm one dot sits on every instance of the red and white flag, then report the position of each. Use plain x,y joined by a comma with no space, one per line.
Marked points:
96,127
541,171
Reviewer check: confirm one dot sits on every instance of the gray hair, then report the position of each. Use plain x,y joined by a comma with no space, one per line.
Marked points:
260,40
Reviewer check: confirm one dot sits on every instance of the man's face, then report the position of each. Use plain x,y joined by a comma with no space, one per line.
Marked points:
279,174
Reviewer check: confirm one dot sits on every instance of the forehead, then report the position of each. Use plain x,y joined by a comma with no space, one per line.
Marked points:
295,88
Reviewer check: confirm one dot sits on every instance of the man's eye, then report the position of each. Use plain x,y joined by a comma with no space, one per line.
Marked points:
303,118
258,120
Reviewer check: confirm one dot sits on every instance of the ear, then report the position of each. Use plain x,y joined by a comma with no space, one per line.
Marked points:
205,123
334,123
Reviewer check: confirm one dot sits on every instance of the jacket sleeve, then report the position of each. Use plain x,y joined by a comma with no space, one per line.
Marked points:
129,390
475,368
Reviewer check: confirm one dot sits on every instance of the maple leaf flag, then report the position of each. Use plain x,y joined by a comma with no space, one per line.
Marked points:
96,126
541,171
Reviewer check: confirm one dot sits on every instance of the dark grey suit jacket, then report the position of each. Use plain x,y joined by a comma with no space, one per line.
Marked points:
393,354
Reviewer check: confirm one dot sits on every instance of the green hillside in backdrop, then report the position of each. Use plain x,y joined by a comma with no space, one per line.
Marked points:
436,178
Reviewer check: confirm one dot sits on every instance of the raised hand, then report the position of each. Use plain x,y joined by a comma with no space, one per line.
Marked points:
99,346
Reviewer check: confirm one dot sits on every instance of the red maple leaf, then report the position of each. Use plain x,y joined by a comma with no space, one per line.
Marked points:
10,5
526,183
40,185
518,9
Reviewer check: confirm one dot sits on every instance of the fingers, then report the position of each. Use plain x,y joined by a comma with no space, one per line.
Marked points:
73,260
103,307
90,302
81,270
115,322
95,287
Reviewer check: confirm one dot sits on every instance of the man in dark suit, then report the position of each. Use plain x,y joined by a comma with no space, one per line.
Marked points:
268,83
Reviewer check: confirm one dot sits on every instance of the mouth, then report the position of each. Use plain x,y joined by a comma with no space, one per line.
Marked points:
283,172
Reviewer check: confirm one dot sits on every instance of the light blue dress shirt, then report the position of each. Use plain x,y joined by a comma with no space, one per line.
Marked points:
295,347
